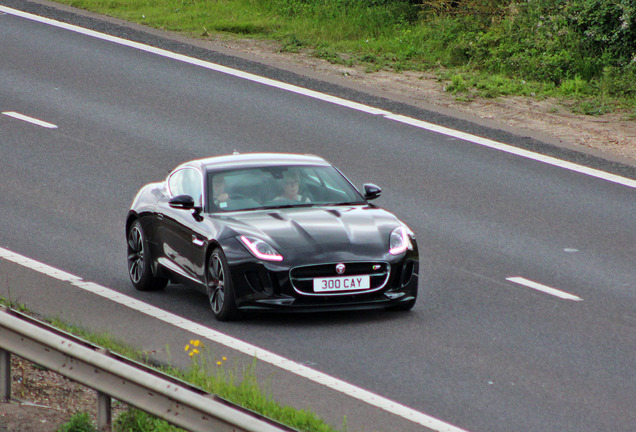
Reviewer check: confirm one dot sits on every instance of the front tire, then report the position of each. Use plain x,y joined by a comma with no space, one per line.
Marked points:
139,261
219,287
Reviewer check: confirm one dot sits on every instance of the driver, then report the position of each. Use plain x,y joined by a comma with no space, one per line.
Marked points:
291,185
219,196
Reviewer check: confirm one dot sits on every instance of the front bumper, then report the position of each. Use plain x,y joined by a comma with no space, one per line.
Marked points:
264,287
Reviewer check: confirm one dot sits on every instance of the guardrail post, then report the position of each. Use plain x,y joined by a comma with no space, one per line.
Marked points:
104,406
104,412
5,375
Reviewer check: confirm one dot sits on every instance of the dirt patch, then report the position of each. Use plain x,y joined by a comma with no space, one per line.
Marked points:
42,400
15,417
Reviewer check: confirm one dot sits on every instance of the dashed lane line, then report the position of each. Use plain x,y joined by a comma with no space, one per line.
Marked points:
31,120
544,288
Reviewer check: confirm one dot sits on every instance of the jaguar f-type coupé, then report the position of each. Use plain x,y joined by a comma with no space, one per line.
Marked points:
271,232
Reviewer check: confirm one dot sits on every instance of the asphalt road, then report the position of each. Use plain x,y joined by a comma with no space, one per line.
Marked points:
478,351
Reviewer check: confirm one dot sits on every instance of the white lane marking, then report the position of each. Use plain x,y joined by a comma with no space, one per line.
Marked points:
544,288
236,344
335,100
31,120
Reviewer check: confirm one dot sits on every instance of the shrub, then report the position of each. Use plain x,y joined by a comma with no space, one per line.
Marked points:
576,86
80,422
134,420
606,26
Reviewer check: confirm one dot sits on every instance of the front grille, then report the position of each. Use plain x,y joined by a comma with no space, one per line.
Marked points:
302,278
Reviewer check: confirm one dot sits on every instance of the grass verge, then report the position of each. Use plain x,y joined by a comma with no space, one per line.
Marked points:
212,373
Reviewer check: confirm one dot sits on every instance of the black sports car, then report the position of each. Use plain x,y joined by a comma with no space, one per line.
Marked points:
267,231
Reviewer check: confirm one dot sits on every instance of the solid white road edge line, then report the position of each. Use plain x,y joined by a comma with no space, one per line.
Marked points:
334,100
236,344
28,119
544,288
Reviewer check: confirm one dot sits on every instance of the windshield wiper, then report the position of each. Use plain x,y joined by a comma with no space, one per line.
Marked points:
284,206
344,203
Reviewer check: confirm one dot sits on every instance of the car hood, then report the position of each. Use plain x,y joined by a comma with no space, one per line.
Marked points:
351,232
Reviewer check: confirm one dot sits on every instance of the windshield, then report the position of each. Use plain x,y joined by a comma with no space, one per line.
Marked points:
277,187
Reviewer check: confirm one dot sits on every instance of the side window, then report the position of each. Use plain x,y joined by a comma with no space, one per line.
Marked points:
186,181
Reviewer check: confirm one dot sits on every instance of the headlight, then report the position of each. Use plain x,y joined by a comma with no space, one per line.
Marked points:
261,249
399,241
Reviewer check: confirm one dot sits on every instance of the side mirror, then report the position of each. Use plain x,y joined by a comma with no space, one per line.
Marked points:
182,202
371,191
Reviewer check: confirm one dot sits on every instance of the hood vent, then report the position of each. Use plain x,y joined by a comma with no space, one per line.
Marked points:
277,215
334,212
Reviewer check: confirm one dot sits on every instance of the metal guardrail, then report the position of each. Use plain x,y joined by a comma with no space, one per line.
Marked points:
138,385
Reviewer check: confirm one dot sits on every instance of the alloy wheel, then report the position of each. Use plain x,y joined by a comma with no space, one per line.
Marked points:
135,254
216,284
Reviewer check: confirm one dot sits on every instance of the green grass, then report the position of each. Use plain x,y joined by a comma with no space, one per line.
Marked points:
212,374
80,422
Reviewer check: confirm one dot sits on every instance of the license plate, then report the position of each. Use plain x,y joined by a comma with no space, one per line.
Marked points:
342,283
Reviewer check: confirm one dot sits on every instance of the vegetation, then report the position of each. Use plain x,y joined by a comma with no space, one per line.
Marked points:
207,372
80,422
132,420
582,50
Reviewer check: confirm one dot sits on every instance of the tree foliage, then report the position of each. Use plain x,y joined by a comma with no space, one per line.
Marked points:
607,27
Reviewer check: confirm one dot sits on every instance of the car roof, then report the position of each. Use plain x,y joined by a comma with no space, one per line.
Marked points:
246,160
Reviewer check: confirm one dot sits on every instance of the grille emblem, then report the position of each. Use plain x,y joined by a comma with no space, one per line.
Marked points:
340,268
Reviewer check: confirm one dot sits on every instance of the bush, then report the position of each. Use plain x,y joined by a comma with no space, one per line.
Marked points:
576,86
80,422
134,420
606,27
466,7
546,40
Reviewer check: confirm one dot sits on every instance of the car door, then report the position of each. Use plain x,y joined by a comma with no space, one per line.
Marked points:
182,244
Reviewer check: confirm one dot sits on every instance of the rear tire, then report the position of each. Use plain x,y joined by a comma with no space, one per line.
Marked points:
139,261
219,287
